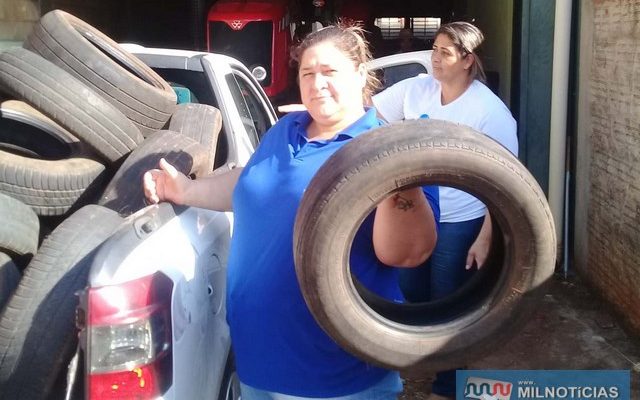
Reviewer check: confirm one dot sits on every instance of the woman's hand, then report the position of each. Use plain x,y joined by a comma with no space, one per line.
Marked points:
479,250
165,184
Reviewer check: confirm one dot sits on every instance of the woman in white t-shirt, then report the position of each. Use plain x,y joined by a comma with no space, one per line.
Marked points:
455,92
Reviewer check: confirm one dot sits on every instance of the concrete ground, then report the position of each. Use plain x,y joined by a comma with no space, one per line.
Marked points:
572,329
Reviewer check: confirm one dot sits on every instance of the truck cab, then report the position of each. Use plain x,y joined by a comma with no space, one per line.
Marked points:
257,33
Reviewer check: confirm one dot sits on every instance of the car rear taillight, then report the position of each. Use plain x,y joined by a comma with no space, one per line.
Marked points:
129,352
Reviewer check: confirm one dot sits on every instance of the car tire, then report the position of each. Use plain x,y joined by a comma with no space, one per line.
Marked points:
20,228
9,278
64,99
26,131
200,122
104,66
402,336
124,193
37,330
51,187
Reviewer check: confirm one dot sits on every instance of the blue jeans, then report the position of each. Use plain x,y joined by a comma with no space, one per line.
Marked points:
387,389
441,275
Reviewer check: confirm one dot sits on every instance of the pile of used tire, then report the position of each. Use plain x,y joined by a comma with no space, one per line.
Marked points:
81,120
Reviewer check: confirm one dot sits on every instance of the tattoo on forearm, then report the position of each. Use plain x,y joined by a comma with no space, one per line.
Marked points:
402,203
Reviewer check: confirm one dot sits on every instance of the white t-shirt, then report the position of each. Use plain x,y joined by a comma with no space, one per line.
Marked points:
478,107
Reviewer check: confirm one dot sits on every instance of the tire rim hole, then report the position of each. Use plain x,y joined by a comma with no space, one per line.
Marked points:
29,141
466,299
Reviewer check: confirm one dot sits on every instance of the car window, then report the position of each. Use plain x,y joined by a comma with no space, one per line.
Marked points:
255,116
194,87
259,114
396,73
243,109
190,86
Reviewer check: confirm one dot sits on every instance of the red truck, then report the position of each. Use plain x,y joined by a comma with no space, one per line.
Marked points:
256,32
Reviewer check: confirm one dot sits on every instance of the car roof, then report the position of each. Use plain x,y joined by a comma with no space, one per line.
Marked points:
175,58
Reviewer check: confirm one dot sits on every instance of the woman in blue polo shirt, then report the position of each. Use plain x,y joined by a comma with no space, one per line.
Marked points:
281,352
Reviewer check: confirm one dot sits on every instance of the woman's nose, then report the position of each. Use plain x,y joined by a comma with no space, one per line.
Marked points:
319,81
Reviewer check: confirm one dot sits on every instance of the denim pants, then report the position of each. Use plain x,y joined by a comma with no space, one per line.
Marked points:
387,389
441,275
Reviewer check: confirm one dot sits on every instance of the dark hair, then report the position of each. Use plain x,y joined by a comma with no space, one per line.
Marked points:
467,38
347,37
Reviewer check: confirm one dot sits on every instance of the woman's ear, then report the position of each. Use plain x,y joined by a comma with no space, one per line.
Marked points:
469,59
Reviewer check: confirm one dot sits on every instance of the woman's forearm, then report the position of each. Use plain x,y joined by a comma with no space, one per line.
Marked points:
404,230
213,192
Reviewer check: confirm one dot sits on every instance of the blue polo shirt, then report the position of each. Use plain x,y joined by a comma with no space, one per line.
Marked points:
278,345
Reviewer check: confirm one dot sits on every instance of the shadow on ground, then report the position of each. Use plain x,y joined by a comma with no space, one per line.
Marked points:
572,329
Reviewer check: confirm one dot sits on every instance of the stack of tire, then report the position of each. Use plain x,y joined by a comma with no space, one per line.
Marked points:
80,121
